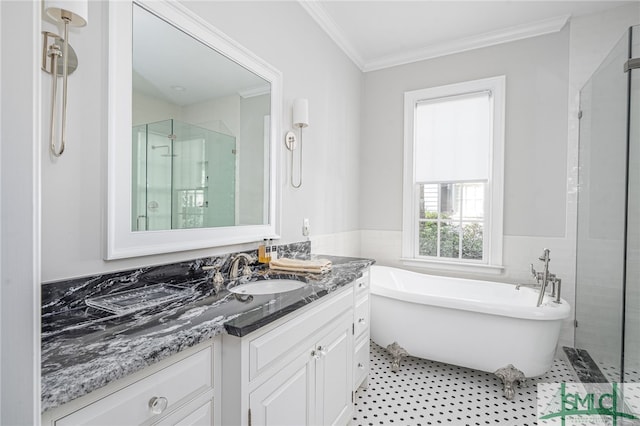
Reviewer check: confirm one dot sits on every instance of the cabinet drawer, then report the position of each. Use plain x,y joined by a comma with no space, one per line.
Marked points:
360,362
361,316
198,412
284,342
131,405
362,284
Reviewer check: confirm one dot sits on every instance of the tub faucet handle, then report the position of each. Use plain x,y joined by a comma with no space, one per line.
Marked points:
534,274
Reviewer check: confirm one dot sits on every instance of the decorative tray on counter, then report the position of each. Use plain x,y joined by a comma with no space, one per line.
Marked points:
130,301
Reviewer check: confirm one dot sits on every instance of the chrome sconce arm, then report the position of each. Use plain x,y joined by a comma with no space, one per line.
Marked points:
69,12
300,120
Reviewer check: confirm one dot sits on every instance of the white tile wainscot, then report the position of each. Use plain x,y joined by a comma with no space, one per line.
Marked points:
301,369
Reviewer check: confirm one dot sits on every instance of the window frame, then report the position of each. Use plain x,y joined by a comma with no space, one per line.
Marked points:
493,233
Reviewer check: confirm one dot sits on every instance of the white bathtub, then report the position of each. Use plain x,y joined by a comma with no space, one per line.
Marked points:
477,324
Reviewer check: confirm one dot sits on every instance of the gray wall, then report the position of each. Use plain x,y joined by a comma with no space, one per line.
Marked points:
535,135
73,186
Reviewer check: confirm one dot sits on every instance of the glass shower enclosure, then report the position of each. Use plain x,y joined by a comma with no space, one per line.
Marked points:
608,228
184,176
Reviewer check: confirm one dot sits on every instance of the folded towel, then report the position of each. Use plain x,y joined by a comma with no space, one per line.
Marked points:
318,266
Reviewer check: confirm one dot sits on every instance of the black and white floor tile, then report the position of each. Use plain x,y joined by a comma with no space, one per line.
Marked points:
425,392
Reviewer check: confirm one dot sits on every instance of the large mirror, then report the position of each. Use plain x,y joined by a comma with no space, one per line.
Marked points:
193,121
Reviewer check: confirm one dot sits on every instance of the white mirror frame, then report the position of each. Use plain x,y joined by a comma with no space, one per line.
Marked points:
121,241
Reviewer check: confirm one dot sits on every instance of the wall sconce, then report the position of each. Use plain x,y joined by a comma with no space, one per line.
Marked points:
54,47
300,120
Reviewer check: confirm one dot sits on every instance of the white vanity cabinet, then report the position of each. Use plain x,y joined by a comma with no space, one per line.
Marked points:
361,331
295,371
301,369
177,390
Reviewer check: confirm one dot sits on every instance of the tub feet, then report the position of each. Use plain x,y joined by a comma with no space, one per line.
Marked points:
509,376
397,353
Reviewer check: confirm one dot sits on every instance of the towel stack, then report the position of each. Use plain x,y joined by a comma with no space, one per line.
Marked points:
317,266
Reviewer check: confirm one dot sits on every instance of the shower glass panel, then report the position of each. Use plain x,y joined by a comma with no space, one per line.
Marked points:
184,176
607,235
631,352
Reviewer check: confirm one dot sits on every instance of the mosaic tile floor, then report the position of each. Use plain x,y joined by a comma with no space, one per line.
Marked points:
612,373
425,392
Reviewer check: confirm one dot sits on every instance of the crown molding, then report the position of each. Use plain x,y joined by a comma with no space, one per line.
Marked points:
322,18
315,9
519,32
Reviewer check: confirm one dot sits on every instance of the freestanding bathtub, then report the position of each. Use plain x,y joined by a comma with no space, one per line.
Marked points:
476,324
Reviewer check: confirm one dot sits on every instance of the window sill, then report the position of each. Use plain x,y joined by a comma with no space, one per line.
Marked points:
440,265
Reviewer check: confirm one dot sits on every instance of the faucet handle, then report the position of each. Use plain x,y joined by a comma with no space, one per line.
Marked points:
246,271
535,274
218,279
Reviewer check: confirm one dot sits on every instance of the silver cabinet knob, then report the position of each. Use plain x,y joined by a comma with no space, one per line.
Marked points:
158,404
318,352
322,351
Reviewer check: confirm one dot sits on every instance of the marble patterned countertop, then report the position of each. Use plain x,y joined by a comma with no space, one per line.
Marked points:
85,348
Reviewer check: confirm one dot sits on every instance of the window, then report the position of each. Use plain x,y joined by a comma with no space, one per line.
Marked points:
453,175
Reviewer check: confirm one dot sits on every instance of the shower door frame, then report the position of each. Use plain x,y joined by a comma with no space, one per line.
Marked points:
623,244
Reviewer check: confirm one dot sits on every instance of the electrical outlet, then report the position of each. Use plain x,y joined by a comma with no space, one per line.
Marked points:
305,227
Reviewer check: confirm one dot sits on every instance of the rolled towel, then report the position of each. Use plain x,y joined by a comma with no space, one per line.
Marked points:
318,266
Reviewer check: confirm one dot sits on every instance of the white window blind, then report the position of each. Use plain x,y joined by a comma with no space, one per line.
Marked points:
453,138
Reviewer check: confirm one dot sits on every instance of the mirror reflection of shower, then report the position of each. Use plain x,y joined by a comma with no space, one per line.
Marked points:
168,153
179,172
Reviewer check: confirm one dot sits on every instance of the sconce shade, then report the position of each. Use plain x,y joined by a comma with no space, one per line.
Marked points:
300,112
77,9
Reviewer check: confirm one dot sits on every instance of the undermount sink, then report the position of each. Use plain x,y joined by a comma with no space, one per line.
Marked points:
267,287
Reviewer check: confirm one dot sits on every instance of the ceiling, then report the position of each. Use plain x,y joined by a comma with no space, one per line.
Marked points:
381,34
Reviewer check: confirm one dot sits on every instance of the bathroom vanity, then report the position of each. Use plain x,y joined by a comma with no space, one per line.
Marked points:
295,357
302,369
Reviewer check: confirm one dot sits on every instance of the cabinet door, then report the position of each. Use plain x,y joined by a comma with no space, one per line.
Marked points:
361,363
287,398
335,375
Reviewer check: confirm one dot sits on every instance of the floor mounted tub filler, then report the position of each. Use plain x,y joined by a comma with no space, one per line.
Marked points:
488,326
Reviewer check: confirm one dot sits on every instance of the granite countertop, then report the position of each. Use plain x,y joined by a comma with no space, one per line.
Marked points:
85,348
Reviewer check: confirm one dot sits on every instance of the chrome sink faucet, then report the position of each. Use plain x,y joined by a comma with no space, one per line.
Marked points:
235,265
546,278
